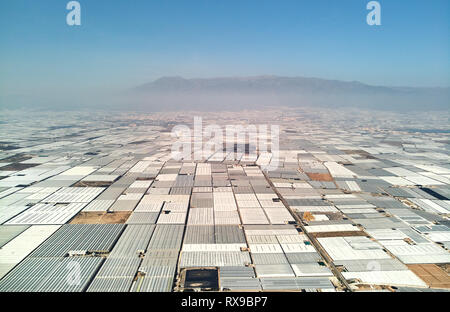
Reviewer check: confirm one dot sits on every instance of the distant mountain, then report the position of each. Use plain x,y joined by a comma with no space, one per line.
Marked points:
251,92
237,93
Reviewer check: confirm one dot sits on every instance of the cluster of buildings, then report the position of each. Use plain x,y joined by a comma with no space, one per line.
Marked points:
95,202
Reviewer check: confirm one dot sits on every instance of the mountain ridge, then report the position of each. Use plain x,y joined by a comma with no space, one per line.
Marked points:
176,92
181,83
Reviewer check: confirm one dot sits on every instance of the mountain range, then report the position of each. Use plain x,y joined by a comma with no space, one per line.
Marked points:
251,92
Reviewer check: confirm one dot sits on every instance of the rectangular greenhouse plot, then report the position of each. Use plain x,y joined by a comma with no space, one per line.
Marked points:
48,214
253,216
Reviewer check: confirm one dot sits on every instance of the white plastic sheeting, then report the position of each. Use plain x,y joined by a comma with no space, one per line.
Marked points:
18,248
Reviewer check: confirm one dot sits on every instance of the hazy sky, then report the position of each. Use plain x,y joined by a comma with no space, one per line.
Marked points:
125,43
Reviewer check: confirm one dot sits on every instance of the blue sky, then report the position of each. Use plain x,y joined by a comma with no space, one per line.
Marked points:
122,43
